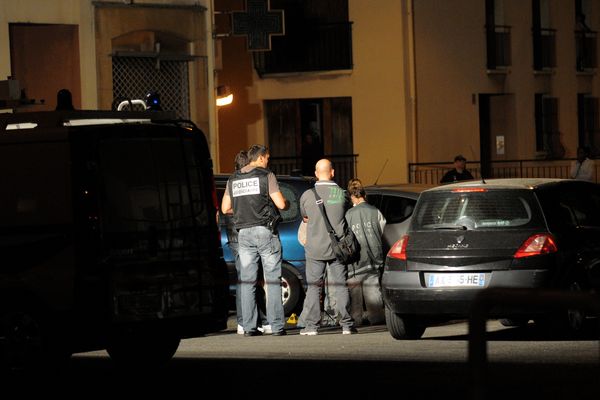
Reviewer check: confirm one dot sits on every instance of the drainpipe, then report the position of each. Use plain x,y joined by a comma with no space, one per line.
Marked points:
213,121
412,83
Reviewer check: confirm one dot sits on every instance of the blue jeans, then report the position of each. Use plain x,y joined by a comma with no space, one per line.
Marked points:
256,244
260,298
337,273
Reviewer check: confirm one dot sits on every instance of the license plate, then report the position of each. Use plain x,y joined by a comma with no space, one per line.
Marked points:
456,279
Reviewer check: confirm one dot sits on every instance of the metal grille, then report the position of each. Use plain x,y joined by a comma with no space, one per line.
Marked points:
134,77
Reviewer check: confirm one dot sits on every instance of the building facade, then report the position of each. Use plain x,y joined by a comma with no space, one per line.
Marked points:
390,90
108,51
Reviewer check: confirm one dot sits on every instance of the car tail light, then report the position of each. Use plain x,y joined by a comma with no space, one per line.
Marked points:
540,243
398,250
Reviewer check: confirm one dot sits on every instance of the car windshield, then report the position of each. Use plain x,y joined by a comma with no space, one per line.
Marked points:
489,209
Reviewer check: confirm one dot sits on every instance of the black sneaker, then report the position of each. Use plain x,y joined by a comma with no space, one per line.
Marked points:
252,333
279,333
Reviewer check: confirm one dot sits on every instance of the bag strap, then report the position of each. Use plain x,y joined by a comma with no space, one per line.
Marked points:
323,212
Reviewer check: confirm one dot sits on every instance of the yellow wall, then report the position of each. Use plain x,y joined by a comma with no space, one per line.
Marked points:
96,91
451,69
75,12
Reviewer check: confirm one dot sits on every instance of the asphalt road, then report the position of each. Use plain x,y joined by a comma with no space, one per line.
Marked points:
521,363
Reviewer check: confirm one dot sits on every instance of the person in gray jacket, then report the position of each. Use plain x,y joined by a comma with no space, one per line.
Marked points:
367,223
319,254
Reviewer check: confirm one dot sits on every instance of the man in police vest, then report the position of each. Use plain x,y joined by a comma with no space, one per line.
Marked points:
253,195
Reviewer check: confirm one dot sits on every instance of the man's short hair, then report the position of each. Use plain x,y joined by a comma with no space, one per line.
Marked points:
256,151
460,158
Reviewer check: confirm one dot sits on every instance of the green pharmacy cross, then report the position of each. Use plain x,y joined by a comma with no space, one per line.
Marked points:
258,23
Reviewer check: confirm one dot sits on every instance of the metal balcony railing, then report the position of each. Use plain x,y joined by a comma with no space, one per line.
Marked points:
544,49
343,164
432,173
317,47
498,42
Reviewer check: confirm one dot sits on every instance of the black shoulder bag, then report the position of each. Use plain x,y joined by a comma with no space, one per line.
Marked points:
345,248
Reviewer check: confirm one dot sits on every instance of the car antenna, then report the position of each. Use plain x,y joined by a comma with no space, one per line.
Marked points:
380,172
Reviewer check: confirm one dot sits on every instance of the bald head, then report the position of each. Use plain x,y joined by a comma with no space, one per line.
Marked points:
324,170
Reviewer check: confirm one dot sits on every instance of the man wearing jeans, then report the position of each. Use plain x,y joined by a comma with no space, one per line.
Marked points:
253,195
319,254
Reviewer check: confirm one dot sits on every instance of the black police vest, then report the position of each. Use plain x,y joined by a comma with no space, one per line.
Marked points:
252,204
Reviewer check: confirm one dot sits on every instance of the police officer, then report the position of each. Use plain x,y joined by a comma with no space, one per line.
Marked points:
253,195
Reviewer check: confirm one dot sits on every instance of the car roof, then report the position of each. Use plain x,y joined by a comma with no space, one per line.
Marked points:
222,178
502,183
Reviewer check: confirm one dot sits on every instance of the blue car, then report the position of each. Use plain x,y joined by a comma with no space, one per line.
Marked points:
293,266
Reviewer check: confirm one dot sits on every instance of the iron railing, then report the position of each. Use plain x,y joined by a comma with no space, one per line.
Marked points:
317,47
498,42
544,49
432,173
345,166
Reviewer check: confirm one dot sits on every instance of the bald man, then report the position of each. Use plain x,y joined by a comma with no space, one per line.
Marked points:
319,254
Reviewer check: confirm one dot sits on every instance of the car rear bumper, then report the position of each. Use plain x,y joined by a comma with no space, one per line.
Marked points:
407,292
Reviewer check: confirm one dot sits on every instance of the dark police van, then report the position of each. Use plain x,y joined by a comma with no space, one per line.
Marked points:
108,237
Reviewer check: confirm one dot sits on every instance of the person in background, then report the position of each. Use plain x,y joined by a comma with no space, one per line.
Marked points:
64,100
240,161
459,172
367,223
583,168
254,197
319,254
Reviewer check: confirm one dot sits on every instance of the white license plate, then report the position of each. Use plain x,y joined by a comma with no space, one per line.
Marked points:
456,279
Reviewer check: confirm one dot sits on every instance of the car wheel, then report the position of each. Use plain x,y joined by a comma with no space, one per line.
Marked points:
403,327
519,322
292,292
575,319
137,349
570,322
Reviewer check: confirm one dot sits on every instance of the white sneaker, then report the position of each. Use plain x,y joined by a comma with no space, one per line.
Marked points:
240,330
309,332
266,329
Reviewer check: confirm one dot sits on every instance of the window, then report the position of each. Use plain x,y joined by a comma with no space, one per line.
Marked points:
301,131
289,193
497,36
588,123
544,38
396,208
318,37
585,37
498,209
547,136
134,77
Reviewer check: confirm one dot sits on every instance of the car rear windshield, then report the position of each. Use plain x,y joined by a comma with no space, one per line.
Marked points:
478,210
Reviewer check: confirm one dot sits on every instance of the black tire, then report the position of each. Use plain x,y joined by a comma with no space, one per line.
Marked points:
292,292
518,322
129,349
570,323
403,327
